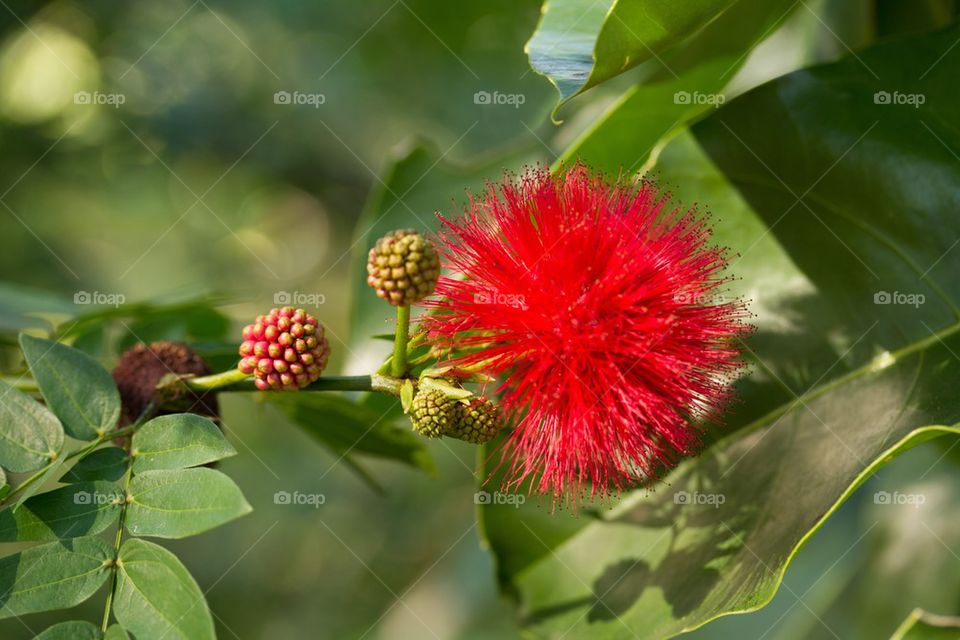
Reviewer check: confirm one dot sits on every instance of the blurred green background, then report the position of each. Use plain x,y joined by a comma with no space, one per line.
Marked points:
172,151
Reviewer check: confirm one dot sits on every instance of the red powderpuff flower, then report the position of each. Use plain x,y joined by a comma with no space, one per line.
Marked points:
600,307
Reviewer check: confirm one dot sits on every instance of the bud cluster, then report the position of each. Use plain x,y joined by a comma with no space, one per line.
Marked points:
403,267
435,414
286,350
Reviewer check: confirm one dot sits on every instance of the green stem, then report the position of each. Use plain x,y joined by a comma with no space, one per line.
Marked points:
118,539
398,362
217,380
229,381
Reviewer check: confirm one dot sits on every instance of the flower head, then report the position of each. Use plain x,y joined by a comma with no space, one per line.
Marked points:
403,267
285,350
599,307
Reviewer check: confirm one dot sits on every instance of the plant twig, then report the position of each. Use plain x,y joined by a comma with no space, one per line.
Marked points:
398,362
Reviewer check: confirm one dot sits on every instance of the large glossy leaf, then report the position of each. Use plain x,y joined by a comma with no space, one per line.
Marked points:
581,43
840,385
72,511
73,630
156,597
183,502
177,441
622,140
51,576
76,388
30,436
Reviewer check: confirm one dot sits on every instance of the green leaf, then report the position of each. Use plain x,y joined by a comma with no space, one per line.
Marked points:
30,436
922,625
116,632
347,427
73,630
4,485
52,576
73,511
178,441
108,463
632,129
582,43
840,385
77,389
156,596
183,502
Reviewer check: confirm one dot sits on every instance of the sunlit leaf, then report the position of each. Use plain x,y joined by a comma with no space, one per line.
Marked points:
183,502
77,389
156,596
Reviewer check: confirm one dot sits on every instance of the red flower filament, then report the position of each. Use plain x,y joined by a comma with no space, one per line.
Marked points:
600,307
